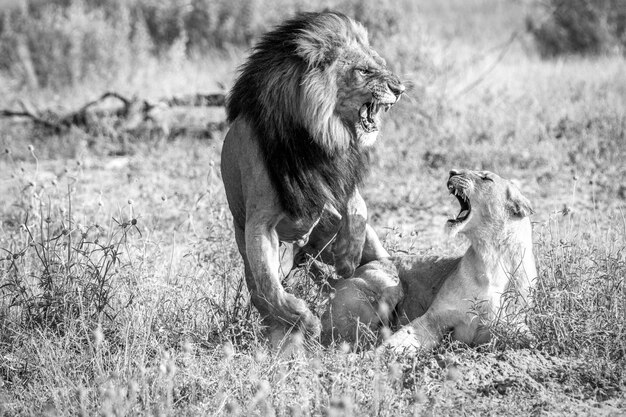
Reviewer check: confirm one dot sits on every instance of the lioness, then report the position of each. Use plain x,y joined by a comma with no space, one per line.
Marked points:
464,294
304,111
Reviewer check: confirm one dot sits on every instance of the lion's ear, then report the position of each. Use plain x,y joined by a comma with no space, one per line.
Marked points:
516,203
315,49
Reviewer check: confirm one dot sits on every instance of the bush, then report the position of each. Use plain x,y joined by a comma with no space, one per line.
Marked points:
55,45
62,42
55,271
584,27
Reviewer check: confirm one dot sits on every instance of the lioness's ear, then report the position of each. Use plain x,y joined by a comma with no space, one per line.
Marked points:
516,203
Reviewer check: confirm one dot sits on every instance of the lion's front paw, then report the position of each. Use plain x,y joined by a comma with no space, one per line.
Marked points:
311,325
299,314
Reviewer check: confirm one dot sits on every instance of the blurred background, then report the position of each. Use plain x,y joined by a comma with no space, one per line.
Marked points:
59,43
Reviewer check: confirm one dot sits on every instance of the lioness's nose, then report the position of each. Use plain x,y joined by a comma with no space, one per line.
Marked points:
454,172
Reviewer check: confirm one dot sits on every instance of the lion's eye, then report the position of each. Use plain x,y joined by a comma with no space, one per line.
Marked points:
487,178
363,71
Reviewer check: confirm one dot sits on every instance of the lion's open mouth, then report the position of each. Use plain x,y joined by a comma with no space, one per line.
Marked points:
369,114
464,201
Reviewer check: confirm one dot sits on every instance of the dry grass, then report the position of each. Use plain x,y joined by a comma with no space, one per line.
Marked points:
121,285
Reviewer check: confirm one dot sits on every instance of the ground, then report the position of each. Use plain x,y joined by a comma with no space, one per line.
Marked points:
146,313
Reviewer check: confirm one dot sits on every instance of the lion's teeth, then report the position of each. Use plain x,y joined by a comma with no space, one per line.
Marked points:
462,214
363,111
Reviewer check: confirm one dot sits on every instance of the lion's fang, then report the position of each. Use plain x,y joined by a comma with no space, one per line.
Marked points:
363,111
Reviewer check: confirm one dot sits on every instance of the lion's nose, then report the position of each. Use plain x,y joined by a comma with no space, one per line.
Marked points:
396,88
454,172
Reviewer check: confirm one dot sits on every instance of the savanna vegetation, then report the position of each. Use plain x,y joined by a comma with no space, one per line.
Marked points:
121,288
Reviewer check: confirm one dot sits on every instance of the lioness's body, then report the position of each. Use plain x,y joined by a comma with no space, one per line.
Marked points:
463,295
303,111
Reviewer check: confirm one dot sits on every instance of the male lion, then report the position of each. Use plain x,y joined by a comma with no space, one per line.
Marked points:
304,111
463,294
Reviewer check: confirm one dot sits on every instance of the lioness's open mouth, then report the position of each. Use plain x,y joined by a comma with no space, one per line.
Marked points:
370,115
464,201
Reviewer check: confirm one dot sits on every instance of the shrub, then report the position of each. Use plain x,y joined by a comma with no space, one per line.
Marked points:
62,42
57,46
56,271
579,27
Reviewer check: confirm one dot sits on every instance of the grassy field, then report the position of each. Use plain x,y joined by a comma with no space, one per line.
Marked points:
121,286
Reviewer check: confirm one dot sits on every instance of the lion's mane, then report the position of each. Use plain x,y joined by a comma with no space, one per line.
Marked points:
287,92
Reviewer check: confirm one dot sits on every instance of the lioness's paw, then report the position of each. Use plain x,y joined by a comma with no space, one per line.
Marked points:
403,342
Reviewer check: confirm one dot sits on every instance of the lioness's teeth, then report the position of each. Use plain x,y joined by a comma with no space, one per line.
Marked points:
462,214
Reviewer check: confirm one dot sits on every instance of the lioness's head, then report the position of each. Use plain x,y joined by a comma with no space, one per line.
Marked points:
316,72
488,203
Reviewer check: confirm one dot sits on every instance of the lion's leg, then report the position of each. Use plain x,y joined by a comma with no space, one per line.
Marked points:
372,248
277,329
277,332
283,309
350,240
250,283
372,296
355,242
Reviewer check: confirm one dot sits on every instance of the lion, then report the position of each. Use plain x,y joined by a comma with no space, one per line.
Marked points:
464,295
304,112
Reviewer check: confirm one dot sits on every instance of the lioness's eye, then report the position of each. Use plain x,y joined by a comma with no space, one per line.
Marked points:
487,178
363,71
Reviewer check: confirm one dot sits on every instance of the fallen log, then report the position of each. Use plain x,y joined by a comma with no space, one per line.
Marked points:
127,117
